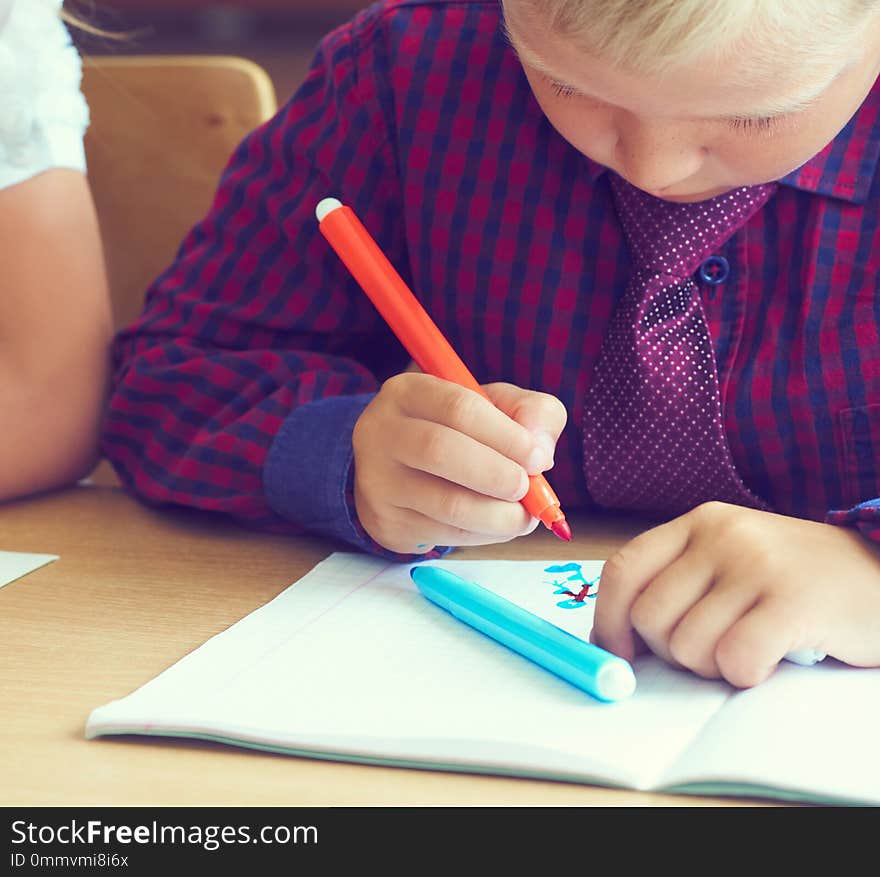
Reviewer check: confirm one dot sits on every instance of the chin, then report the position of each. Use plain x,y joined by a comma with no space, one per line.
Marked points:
691,197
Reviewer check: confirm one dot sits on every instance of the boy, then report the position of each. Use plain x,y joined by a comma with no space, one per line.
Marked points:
656,217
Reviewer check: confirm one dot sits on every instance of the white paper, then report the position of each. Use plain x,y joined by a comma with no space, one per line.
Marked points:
353,663
353,660
804,729
15,564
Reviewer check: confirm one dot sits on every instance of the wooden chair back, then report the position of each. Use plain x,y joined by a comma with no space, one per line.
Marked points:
162,130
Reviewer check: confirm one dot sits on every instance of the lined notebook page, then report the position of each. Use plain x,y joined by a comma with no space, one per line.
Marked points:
352,661
804,729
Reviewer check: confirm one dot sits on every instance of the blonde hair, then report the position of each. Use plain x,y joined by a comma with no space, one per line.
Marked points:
80,23
74,20
650,36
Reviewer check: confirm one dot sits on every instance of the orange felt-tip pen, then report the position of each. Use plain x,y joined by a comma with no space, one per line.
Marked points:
416,331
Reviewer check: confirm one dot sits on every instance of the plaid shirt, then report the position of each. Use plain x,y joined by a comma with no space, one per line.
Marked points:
238,388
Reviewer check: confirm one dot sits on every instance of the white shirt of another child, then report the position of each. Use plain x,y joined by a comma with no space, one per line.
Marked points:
43,114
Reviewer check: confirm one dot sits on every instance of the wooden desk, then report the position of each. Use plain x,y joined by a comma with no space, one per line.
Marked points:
136,589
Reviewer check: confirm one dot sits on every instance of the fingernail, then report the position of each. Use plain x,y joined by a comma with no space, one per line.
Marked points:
541,457
536,460
523,485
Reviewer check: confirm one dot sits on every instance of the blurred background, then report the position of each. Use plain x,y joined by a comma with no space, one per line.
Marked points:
280,35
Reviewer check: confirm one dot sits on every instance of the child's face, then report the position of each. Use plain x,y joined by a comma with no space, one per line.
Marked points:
699,131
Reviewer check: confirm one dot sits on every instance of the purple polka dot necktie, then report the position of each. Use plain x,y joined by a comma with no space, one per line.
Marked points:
654,436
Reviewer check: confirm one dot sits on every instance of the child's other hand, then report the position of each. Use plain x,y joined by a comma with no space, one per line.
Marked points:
728,591
437,464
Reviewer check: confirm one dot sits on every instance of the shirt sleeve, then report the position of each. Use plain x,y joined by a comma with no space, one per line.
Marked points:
865,516
238,388
44,114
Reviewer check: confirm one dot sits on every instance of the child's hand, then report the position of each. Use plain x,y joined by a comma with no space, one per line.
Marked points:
437,464
728,591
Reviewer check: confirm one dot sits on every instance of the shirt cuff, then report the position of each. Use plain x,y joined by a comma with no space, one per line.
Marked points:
865,516
308,475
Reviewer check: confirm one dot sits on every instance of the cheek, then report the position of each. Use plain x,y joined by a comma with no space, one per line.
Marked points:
767,156
588,127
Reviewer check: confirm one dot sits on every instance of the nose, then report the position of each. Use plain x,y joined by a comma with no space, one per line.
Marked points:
656,155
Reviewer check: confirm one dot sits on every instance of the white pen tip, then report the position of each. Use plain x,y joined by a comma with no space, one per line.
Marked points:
325,206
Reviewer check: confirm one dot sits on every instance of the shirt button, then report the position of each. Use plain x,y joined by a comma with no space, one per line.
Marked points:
714,270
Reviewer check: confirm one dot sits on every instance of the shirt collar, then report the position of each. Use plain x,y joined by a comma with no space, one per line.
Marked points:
843,169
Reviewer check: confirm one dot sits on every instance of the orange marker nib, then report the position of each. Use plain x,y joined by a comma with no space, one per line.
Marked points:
562,530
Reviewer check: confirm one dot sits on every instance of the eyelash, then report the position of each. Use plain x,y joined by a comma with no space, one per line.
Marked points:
761,124
560,89
748,124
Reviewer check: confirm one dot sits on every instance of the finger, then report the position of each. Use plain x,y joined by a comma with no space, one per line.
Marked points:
626,574
639,647
456,457
460,508
542,414
415,533
428,398
748,652
408,531
668,597
694,641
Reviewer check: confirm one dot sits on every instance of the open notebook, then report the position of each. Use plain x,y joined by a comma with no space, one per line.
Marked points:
352,663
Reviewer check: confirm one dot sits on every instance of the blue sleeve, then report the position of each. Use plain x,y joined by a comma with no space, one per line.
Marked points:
309,473
865,517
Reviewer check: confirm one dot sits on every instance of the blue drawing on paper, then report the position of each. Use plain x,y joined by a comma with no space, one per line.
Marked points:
572,577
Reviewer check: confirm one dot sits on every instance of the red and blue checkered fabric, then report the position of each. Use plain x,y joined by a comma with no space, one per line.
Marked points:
238,387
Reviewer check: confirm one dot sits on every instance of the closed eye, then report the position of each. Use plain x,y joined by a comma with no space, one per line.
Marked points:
560,89
760,124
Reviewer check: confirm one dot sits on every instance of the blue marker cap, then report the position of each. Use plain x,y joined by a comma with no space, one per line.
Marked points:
592,669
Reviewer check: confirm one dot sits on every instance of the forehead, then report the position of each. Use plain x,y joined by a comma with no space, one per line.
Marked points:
751,77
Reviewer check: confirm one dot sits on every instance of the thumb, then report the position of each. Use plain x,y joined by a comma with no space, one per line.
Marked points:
540,413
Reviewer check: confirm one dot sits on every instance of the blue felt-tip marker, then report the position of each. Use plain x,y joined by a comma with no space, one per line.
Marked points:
601,674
